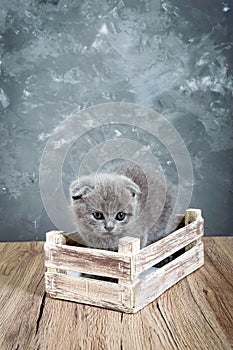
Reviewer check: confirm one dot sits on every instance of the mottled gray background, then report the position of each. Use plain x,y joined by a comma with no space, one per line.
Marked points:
58,57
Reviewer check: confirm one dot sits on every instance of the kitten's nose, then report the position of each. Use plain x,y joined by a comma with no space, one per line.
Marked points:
109,226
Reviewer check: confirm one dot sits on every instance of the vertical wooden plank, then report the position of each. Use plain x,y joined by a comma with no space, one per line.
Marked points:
192,215
58,238
55,237
130,246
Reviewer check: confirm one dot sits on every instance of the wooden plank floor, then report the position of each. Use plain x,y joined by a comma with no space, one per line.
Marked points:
196,313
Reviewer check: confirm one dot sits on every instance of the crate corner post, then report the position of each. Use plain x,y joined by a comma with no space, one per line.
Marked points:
130,246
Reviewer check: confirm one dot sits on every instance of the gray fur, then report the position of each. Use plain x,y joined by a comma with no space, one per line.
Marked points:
142,195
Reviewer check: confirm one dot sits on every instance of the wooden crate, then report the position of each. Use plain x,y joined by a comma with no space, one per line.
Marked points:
137,282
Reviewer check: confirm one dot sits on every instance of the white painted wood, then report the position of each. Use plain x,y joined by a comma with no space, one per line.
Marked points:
89,261
88,291
156,283
158,251
132,292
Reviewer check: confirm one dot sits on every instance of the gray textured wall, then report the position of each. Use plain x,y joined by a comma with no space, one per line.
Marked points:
58,57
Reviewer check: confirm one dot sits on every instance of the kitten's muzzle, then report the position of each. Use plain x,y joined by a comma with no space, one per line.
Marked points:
109,225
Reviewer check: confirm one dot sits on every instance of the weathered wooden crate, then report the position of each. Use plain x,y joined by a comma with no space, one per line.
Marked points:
137,283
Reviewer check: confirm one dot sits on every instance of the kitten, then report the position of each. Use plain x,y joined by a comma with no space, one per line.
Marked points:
128,201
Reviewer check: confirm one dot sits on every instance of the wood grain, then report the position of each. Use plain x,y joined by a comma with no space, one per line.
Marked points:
90,291
125,265
21,291
99,262
165,277
196,313
158,251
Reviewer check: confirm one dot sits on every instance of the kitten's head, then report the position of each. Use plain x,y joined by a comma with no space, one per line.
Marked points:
104,206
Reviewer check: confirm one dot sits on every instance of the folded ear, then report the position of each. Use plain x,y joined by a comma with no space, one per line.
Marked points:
132,186
79,190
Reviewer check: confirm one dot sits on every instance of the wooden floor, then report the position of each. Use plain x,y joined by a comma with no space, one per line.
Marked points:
196,313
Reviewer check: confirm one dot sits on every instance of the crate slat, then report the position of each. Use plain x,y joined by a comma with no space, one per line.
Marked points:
158,251
89,291
86,260
153,285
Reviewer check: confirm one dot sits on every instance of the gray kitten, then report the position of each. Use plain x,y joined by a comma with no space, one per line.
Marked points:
128,201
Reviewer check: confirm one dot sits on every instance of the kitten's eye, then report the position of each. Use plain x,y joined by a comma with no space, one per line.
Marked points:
120,216
98,215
